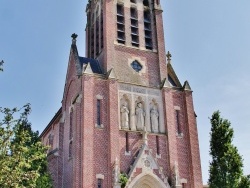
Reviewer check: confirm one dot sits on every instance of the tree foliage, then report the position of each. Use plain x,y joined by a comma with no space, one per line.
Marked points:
22,155
123,179
226,165
245,182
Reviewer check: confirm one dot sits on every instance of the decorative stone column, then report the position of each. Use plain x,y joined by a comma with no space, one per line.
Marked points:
116,175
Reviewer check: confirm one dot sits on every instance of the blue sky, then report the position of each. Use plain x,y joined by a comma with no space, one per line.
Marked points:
209,42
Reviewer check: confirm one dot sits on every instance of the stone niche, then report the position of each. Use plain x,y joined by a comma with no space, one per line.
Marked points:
140,107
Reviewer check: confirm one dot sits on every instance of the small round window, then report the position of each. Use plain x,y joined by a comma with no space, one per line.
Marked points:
136,66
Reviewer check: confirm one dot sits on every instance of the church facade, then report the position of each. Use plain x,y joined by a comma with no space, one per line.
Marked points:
124,115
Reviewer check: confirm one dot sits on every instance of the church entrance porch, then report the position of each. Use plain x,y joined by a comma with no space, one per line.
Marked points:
147,181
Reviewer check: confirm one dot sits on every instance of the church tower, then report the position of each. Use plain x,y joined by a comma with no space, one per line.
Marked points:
120,32
124,111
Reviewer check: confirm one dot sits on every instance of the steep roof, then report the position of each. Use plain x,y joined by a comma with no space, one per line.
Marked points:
57,115
82,62
94,64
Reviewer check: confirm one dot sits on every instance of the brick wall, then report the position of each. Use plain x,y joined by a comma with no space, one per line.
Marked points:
95,147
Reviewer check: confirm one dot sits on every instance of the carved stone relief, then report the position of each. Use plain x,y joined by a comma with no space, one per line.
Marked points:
154,117
141,108
124,111
140,116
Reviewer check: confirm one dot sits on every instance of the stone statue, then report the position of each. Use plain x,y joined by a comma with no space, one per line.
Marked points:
124,117
154,119
139,112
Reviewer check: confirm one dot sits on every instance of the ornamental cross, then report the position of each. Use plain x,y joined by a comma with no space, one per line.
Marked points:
74,36
169,56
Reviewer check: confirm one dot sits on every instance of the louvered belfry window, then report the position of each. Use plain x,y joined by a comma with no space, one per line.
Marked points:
134,27
148,30
120,24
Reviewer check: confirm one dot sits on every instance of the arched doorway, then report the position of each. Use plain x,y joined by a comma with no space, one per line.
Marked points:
147,181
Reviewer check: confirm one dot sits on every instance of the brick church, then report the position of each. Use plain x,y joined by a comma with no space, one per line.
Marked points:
124,112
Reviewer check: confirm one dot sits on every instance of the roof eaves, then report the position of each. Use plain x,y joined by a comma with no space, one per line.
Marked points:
58,113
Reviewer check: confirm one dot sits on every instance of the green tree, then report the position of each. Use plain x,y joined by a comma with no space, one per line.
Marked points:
226,165
22,155
245,182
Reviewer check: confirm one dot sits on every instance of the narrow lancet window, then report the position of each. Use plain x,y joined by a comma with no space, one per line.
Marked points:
71,124
157,145
97,37
92,42
102,29
127,142
70,149
98,112
178,127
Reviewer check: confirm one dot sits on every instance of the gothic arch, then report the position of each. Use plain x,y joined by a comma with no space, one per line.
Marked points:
72,83
147,180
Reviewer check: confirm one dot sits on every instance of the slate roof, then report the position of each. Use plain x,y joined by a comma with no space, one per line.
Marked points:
94,64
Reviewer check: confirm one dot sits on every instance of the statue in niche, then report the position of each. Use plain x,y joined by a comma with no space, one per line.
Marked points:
154,115
140,114
124,117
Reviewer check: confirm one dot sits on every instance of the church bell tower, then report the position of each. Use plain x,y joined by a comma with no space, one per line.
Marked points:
127,36
125,114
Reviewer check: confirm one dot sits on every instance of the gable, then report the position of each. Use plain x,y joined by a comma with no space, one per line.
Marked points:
172,77
146,164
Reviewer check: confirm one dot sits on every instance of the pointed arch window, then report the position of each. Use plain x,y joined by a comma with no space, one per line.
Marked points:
70,132
136,66
97,31
71,124
101,20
